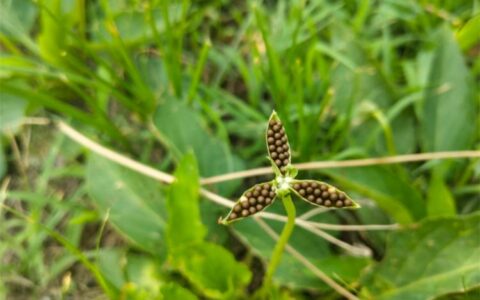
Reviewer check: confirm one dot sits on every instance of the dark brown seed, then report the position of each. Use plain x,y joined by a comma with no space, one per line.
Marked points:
333,197
323,187
260,199
282,130
274,154
296,186
268,200
271,194
341,196
348,202
285,161
245,213
302,192
284,139
237,208
270,132
304,184
281,156
256,193
248,194
259,207
277,135
285,147
270,140
328,203
258,188
264,193
271,147
339,203
245,204
280,150
311,198
309,190
252,201
233,216
252,210
278,143
325,195
278,162
283,169
319,200
265,186
314,185
317,192
276,127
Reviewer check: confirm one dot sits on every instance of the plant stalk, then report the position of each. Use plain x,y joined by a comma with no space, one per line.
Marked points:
282,241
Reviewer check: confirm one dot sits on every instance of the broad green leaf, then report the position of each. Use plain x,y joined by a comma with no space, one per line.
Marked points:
449,112
181,130
16,19
173,290
12,111
185,228
134,203
366,86
134,276
214,271
440,200
52,38
468,35
423,261
389,190
290,271
3,161
209,267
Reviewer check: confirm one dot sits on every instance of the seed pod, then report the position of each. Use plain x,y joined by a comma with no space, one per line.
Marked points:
321,194
277,143
252,201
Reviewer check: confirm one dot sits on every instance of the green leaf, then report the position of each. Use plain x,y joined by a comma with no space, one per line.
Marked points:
173,290
435,257
134,202
185,227
214,271
290,271
3,161
12,110
52,38
181,129
440,201
468,35
392,193
132,274
209,267
449,111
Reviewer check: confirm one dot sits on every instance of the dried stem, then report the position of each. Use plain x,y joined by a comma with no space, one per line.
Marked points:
348,164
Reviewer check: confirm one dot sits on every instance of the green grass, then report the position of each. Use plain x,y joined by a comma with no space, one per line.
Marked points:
157,80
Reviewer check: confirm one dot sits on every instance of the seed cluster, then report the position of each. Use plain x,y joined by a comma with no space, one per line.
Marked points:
321,194
277,143
253,201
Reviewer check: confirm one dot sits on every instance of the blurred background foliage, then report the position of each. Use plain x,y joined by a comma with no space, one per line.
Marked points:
187,87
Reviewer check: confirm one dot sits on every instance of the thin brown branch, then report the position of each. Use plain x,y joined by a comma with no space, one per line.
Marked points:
348,164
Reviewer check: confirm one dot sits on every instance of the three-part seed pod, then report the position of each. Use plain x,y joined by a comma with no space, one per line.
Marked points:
260,196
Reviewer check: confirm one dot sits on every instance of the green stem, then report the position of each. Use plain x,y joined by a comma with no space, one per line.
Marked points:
282,241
